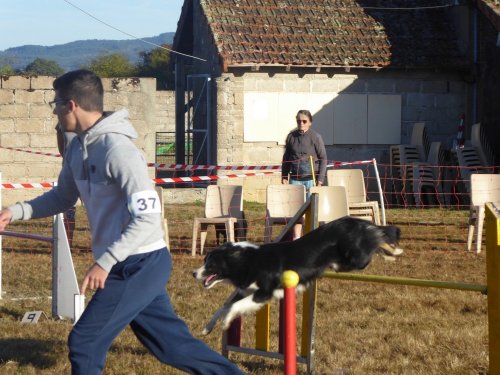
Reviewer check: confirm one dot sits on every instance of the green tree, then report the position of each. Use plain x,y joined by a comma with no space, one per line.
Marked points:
44,67
7,70
112,65
156,63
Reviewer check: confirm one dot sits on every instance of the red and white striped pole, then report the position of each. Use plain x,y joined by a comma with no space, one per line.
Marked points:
290,279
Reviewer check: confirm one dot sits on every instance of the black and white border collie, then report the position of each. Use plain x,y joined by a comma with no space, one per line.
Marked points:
345,244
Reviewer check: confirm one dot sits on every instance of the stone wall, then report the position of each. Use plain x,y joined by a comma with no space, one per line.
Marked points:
27,122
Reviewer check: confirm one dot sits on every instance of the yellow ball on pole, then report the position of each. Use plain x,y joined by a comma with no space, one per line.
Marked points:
290,279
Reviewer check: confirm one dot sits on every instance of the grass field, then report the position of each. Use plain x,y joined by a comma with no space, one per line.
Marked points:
362,328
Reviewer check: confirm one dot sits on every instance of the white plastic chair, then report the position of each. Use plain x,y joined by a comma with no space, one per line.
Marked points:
282,203
223,205
354,183
332,202
484,188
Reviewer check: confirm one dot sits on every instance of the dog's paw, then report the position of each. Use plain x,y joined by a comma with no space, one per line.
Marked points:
206,331
398,251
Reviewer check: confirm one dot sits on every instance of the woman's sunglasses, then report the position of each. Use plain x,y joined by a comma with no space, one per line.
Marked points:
302,121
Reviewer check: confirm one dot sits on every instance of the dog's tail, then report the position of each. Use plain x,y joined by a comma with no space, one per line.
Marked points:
390,241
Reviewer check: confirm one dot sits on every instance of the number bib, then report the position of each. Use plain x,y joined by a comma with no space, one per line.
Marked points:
144,202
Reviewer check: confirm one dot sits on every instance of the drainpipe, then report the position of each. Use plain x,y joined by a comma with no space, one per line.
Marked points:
180,110
475,64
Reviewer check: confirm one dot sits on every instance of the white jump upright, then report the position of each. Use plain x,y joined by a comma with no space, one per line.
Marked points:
66,299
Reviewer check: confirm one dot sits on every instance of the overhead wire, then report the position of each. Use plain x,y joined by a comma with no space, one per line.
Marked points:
130,35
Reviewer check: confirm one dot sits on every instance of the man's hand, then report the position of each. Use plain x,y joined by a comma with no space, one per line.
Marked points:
284,181
5,218
95,278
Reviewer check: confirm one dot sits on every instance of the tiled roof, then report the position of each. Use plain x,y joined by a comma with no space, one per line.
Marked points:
334,33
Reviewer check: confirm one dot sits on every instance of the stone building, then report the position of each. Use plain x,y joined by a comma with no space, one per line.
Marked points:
367,69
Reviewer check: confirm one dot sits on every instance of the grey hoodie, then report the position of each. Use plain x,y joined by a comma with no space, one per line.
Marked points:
108,172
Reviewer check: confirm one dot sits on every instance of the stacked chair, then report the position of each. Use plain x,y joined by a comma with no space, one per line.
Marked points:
414,167
475,157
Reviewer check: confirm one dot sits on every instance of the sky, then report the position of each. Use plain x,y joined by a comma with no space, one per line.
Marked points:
51,22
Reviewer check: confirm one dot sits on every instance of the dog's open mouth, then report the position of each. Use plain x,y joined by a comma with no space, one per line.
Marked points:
209,280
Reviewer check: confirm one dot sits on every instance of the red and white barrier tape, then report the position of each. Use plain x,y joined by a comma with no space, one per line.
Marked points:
42,185
31,152
344,163
45,185
183,167
188,167
209,178
193,167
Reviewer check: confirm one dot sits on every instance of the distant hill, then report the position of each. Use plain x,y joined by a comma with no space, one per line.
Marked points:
75,54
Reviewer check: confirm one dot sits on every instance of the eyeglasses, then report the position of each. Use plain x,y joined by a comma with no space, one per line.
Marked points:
53,104
302,121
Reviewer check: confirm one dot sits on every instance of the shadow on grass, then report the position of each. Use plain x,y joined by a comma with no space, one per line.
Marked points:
4,311
41,354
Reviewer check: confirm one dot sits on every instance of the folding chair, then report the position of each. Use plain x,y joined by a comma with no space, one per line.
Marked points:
223,205
354,183
282,203
484,188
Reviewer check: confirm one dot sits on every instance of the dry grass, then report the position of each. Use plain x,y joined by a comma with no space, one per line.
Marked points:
362,328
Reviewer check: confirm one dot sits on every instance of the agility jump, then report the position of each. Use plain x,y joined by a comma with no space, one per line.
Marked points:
67,302
492,290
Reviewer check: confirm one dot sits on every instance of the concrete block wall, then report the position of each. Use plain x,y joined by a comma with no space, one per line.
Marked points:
26,122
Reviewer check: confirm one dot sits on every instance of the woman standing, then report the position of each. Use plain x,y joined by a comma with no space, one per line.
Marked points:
304,161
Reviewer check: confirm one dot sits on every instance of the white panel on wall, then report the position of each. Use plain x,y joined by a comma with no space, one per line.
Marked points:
260,117
339,118
384,119
269,117
350,119
288,106
321,107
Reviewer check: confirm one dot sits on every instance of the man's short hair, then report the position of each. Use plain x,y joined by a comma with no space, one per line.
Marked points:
82,86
